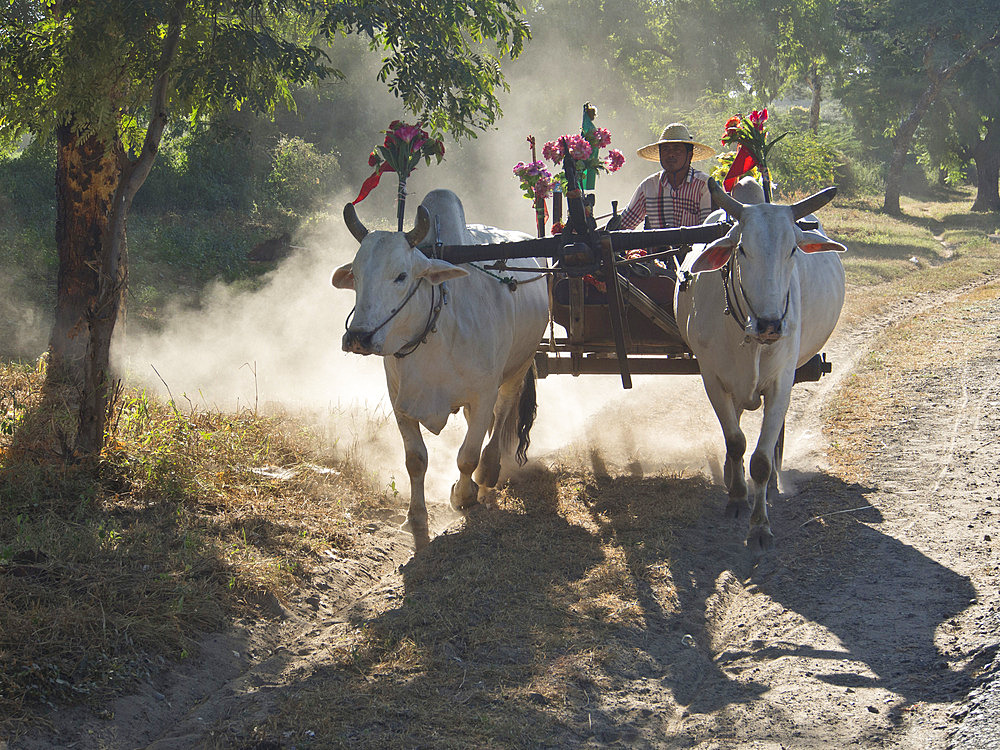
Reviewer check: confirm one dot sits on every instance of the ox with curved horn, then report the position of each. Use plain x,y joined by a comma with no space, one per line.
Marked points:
466,348
414,237
772,307
800,210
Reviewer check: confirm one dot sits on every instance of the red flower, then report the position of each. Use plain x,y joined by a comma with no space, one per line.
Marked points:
759,118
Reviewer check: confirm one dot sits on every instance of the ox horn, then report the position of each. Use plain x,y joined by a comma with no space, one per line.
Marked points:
420,229
724,200
813,203
354,224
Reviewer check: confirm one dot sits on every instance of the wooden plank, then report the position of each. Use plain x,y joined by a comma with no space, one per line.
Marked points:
644,304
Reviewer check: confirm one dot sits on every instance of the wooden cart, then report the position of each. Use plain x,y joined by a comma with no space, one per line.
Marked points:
628,327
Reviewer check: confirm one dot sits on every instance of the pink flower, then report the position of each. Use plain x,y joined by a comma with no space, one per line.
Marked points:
519,168
579,147
615,160
536,168
543,188
553,151
406,133
603,137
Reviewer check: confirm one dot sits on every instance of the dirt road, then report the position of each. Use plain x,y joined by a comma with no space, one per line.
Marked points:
585,612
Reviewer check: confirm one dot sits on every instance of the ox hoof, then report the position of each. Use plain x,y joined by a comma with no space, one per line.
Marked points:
760,540
736,508
487,496
464,502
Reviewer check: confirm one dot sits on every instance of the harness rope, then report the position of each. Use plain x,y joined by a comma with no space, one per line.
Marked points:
435,311
731,280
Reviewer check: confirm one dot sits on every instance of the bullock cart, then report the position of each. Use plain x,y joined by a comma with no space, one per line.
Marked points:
615,306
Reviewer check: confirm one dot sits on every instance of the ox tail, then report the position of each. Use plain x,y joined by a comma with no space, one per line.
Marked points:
527,408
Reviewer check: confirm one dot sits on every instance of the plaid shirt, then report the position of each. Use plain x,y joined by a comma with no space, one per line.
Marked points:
656,200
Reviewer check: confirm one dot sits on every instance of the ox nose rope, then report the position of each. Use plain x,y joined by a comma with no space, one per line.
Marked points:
432,317
392,313
731,283
430,328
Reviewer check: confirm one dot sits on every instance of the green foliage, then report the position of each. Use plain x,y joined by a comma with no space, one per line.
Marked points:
807,162
207,168
27,183
95,65
301,175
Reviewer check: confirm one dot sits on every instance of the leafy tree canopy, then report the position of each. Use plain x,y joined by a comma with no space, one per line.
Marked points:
96,62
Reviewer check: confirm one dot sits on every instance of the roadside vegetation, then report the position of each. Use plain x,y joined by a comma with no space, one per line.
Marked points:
195,518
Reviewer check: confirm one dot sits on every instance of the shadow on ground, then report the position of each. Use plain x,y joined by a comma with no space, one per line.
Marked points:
585,608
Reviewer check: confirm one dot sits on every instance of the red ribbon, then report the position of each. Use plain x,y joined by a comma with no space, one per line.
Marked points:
742,164
372,181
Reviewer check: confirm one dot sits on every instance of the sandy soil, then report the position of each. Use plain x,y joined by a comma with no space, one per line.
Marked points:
867,626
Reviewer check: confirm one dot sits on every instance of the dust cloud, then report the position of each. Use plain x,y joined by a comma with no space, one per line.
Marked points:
27,326
278,347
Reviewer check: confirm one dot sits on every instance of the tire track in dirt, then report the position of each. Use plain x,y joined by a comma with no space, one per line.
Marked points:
829,663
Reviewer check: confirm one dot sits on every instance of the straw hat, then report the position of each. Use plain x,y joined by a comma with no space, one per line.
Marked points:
676,132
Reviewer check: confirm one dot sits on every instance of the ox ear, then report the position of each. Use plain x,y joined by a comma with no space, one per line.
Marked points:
343,277
437,271
715,256
814,242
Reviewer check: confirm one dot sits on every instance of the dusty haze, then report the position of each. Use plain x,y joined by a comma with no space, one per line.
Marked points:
279,346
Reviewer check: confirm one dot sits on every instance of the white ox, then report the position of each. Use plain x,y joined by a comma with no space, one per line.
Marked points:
451,337
772,307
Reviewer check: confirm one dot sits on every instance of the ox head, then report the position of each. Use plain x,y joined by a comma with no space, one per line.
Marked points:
763,245
391,280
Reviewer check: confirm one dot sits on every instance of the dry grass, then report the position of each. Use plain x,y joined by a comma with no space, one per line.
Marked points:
188,520
933,246
903,359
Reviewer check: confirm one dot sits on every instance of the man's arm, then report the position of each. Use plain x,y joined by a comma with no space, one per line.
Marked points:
633,215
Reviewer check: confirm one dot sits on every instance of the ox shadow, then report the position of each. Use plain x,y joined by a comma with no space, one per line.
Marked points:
882,598
535,618
531,622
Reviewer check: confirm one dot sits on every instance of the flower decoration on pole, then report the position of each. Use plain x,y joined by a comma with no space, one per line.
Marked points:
536,185
750,135
585,150
405,145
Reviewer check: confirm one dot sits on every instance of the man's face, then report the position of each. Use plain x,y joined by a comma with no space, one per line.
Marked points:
675,156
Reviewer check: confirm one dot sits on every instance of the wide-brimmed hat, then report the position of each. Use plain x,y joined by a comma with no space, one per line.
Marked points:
676,132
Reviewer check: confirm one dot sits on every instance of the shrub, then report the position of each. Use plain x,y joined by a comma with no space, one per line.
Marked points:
28,183
301,175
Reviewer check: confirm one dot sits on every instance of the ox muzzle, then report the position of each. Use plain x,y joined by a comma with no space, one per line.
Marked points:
766,331
358,341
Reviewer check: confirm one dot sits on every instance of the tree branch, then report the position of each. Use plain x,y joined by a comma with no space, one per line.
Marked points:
139,170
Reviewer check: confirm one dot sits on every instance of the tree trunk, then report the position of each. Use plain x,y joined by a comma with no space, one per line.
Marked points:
95,184
894,178
816,84
904,135
986,154
90,238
